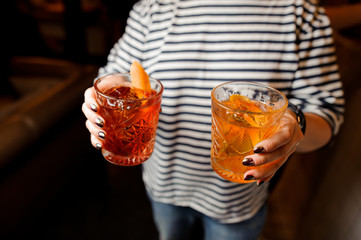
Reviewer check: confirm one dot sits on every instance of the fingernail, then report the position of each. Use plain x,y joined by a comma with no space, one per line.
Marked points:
248,162
93,107
260,183
99,122
98,146
259,150
249,177
101,135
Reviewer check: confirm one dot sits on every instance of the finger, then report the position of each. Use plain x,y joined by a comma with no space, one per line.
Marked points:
92,116
94,122
282,137
261,172
96,142
95,130
268,169
90,108
268,157
89,95
90,99
288,132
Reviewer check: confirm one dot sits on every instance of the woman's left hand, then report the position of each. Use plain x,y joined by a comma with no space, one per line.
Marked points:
275,150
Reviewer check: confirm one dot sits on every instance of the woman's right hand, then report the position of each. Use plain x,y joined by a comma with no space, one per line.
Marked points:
94,122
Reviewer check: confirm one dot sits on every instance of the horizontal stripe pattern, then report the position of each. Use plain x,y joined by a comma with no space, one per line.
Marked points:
193,46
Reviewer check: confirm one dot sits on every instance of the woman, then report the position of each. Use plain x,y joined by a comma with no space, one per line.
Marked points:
193,46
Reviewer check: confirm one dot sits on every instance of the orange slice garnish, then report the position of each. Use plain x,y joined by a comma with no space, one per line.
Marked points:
139,78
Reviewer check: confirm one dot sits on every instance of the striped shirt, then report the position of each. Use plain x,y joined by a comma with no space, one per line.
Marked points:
192,46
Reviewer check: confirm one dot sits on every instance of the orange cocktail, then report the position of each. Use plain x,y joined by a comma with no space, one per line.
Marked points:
243,114
131,117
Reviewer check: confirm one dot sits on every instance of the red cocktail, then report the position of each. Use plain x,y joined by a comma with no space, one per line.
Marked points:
131,118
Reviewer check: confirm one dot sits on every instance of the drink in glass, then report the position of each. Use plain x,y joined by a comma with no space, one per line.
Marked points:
131,118
243,114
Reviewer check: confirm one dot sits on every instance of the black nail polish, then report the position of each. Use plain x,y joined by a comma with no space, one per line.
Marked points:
248,162
259,150
101,135
99,122
249,177
93,107
98,146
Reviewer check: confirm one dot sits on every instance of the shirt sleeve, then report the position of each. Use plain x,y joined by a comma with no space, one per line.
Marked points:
130,46
317,87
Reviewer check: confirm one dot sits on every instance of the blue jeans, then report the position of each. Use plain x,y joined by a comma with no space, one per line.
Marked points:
174,222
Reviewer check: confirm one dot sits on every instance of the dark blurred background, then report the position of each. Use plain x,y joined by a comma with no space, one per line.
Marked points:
55,185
